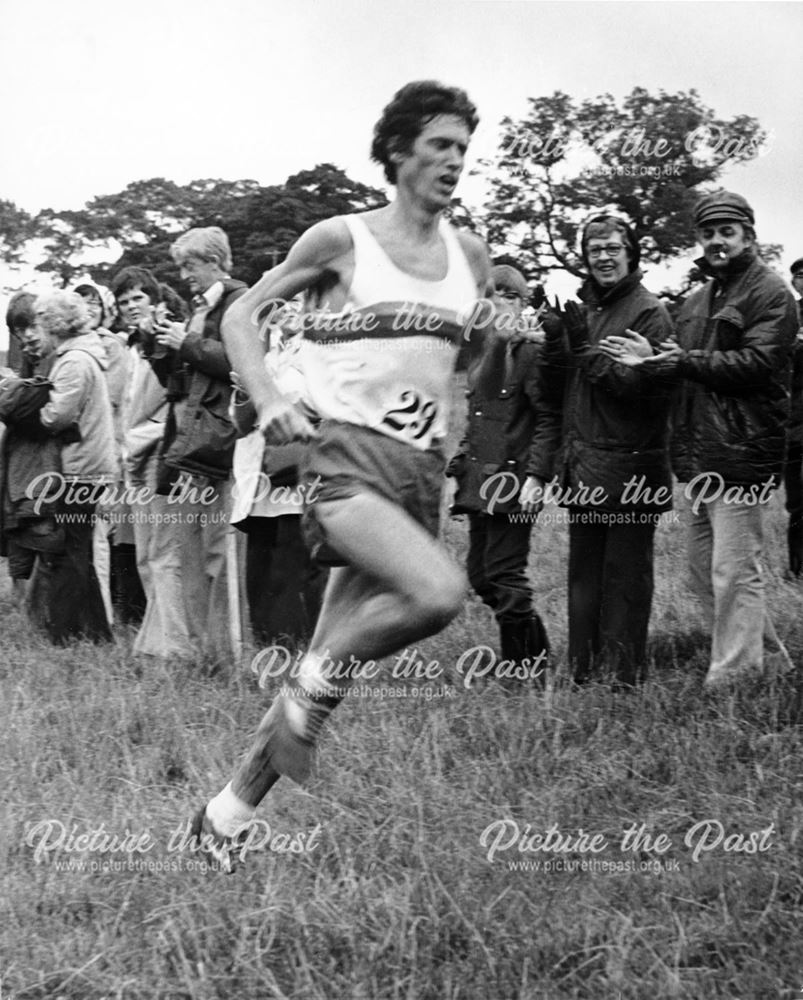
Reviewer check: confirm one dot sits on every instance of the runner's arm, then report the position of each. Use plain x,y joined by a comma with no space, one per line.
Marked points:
316,252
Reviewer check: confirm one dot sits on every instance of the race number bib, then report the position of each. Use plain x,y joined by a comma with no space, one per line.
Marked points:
412,417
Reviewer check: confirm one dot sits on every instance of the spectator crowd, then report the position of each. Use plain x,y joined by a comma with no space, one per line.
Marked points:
137,488
117,469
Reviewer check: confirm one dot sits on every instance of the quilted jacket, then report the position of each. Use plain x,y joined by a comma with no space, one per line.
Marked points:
738,335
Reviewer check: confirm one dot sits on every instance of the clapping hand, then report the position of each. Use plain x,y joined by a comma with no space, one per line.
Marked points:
630,348
551,321
576,326
670,352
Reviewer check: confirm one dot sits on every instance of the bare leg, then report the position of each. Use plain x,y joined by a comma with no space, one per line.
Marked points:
400,586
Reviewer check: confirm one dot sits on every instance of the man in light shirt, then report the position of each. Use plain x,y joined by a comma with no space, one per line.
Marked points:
198,450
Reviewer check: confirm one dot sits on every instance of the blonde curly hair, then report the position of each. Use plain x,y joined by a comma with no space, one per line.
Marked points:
63,315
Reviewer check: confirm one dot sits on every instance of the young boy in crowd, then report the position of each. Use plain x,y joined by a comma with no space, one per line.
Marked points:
164,628
27,528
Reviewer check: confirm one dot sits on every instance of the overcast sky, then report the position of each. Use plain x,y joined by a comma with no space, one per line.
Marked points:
95,94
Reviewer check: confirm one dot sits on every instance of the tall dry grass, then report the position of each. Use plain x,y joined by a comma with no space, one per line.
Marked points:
397,899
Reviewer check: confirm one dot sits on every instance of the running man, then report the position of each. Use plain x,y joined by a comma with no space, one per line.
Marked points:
402,282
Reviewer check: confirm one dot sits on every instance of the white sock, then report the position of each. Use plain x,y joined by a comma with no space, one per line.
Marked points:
228,812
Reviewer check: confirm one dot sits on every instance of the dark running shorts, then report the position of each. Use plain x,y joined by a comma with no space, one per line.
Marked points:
350,459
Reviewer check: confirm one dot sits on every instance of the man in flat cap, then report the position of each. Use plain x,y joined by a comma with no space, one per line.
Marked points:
733,356
507,410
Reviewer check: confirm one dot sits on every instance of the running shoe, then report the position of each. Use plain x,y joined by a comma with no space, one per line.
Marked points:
221,851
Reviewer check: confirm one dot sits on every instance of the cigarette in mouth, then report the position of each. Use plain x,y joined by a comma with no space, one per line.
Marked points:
722,255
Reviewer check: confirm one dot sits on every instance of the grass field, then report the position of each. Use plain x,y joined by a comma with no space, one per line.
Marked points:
412,884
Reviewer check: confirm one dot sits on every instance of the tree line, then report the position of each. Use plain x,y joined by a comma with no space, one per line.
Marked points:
646,158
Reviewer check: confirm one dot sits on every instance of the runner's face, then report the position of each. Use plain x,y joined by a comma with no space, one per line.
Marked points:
722,241
432,168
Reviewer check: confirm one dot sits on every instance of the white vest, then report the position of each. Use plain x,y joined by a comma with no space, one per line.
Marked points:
386,360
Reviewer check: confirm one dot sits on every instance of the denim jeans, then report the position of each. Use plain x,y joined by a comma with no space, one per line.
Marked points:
164,629
202,532
725,545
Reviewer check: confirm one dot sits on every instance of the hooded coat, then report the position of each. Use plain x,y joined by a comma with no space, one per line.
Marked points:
118,358
80,397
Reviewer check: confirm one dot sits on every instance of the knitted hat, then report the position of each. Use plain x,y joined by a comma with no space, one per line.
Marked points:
107,302
723,206
505,276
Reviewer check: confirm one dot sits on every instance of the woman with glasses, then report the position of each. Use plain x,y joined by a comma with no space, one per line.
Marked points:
613,464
